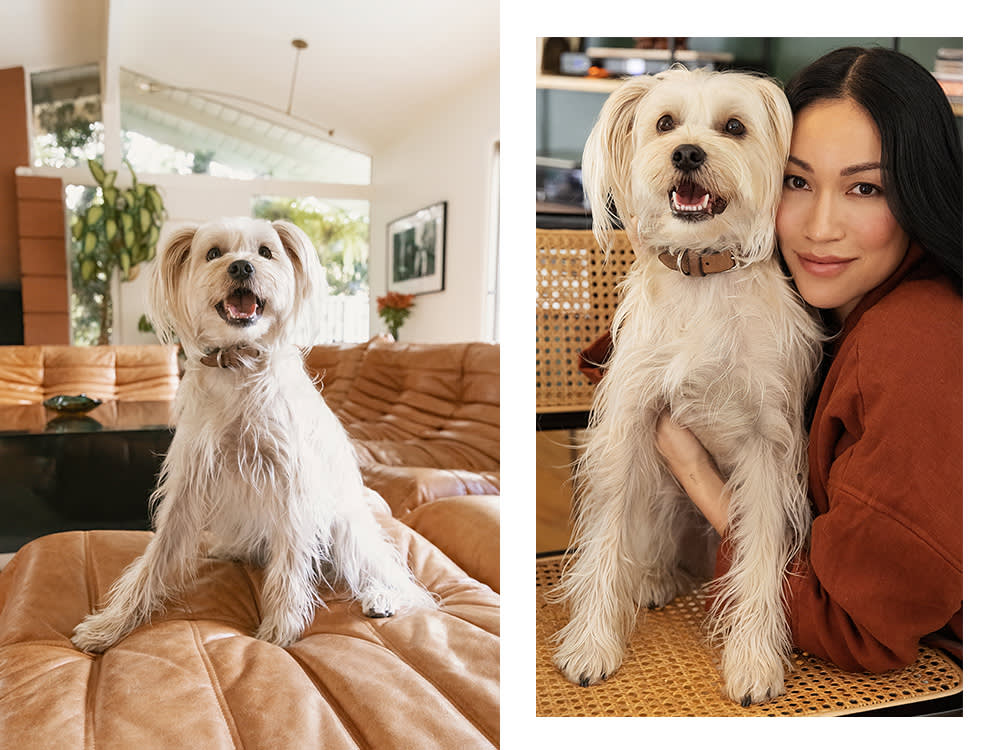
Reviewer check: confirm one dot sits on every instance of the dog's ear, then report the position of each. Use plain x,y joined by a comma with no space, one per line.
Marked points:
777,144
310,276
779,115
607,156
163,290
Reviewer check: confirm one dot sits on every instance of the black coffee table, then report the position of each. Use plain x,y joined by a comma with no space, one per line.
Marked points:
60,472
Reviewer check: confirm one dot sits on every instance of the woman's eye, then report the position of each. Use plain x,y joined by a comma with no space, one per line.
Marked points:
665,123
735,127
795,182
866,188
213,254
264,252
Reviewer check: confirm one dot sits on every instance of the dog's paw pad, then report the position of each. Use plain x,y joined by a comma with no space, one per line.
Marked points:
377,614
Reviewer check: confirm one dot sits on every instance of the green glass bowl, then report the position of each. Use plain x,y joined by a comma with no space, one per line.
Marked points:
71,404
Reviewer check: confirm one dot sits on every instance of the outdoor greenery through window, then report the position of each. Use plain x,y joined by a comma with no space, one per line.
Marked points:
340,232
90,304
148,155
66,110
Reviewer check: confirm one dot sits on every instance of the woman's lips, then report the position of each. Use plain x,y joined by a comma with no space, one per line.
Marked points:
825,266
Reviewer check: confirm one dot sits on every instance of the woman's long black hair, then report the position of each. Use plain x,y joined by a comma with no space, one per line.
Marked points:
921,145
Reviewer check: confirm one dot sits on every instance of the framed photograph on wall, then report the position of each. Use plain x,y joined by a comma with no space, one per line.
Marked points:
416,251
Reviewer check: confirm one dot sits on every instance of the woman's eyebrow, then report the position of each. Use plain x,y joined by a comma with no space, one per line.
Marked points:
866,167
800,163
845,172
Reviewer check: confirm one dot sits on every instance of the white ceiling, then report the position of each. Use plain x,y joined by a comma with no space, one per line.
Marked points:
370,67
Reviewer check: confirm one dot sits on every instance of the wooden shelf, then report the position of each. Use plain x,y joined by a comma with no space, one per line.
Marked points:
577,83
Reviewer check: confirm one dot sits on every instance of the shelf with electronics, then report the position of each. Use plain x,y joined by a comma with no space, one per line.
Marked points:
603,69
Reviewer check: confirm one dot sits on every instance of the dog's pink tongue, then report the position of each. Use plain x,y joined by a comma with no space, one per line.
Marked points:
690,194
241,305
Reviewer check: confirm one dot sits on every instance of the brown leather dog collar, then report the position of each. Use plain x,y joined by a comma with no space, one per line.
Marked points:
692,264
231,357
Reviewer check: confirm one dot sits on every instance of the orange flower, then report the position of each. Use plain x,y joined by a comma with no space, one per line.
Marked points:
395,301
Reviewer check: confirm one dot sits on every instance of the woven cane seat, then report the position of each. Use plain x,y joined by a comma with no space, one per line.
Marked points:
670,671
575,299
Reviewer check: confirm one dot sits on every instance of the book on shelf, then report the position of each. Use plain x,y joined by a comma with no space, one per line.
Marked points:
948,72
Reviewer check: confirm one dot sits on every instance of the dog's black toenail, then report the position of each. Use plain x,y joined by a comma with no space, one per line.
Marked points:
768,696
584,681
746,700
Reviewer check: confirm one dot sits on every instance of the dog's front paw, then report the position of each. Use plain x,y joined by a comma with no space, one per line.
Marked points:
280,631
752,677
97,633
585,660
377,603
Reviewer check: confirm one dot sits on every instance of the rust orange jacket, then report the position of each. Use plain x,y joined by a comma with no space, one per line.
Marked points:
883,569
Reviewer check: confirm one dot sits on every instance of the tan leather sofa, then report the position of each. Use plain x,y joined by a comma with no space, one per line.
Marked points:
31,374
424,418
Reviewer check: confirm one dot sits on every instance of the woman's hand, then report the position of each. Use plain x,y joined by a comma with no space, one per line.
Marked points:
678,445
694,468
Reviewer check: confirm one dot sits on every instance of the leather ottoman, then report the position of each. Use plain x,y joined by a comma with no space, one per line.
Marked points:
196,678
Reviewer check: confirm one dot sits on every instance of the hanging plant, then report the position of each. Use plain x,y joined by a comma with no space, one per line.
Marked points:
122,230
118,229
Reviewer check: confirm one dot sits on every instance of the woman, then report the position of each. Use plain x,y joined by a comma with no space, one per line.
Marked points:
870,229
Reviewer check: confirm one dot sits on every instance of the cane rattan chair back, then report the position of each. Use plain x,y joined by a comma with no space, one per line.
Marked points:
576,295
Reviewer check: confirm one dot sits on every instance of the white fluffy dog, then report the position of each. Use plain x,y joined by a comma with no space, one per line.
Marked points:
257,460
709,328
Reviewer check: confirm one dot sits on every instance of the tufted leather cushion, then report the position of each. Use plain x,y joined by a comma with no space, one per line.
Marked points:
335,366
407,487
31,374
464,528
431,405
197,678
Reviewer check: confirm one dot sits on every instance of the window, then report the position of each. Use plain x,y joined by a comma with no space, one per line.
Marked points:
167,129
90,301
340,232
66,116
492,325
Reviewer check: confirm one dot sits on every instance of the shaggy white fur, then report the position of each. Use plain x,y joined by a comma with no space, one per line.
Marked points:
730,355
258,460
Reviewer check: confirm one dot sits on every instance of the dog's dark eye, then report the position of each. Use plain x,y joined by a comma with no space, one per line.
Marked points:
665,124
735,127
213,254
264,252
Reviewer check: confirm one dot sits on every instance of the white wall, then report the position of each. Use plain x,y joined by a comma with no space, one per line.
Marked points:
443,154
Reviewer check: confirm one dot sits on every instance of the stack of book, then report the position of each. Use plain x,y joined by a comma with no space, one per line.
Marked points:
948,72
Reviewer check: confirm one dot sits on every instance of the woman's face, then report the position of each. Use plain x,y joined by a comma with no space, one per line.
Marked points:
837,234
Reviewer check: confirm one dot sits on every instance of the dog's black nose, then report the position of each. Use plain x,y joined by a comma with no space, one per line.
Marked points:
688,157
240,270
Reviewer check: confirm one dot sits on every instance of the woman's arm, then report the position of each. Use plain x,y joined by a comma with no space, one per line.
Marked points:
694,468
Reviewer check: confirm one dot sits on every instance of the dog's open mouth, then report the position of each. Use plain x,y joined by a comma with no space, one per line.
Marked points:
689,200
241,308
